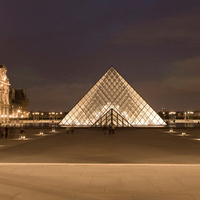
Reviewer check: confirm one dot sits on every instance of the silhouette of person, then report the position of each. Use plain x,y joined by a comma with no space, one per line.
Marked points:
6,132
2,132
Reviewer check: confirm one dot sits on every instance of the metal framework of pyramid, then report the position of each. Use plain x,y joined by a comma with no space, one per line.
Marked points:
112,101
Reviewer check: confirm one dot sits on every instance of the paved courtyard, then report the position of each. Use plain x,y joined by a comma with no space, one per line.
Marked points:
132,164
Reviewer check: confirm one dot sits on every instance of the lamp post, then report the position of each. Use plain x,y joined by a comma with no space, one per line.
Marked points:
10,119
49,118
22,116
37,115
18,112
56,118
28,119
172,116
53,118
42,118
33,118
190,114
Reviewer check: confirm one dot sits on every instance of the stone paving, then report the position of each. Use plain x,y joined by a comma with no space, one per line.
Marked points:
32,169
135,182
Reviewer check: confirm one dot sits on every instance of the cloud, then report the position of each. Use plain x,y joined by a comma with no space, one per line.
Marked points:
187,84
59,97
174,93
189,67
173,30
184,75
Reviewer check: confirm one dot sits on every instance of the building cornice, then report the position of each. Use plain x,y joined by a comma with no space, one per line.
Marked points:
4,83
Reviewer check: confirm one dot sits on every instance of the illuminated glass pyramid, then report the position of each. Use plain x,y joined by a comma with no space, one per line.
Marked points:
112,101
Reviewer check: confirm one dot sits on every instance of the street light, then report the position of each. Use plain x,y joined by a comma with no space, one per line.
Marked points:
189,113
172,115
18,111
42,118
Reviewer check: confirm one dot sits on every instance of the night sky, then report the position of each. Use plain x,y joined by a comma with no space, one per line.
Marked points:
58,50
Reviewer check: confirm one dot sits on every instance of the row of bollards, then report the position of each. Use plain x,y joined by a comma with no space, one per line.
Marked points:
172,131
42,132
22,135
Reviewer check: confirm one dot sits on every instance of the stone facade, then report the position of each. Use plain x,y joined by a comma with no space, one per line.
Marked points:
19,103
4,95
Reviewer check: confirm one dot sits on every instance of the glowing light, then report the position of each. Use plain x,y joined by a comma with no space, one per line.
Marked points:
171,130
22,137
183,134
41,132
172,113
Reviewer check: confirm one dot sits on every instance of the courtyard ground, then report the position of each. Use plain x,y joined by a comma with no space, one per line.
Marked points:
143,163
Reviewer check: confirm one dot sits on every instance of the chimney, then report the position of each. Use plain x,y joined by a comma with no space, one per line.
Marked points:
13,93
24,91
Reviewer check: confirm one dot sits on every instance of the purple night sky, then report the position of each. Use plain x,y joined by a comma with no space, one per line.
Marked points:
58,49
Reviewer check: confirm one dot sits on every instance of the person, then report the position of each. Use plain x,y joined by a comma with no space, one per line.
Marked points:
113,129
104,129
67,129
2,132
22,134
110,129
6,132
72,130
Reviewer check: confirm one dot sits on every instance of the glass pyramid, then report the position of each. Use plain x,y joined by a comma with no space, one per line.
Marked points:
112,101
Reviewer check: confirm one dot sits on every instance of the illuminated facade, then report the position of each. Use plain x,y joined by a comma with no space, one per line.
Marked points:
19,103
112,101
4,95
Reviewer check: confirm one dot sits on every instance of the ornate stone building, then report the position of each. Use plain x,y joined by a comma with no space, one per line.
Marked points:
19,103
4,95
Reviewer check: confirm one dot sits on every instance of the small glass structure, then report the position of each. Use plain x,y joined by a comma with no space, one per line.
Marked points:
112,101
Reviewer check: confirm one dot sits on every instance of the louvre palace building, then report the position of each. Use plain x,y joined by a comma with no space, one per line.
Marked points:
4,95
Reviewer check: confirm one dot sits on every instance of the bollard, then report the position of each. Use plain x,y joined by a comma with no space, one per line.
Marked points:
41,132
171,130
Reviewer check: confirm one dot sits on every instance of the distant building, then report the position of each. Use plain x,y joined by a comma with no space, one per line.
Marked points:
197,114
19,103
4,95
186,115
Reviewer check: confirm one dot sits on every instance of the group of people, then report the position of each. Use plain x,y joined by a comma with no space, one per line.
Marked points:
4,132
111,129
70,129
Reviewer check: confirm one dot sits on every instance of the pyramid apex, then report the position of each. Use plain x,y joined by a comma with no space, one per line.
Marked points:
111,68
